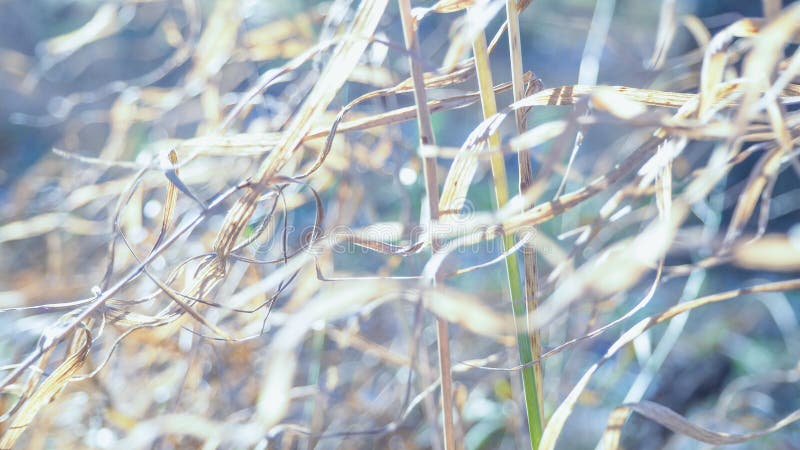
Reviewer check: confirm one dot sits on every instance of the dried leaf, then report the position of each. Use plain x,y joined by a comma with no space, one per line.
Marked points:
558,419
47,390
773,252
679,424
104,23
467,311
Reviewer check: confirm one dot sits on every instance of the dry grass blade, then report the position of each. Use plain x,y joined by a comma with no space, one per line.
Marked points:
169,202
570,95
345,55
45,223
715,59
773,252
45,392
628,314
279,370
186,307
261,143
764,172
74,320
105,21
442,6
564,410
431,80
344,58
665,33
467,28
216,43
464,310
679,424
96,161
768,50
241,196
538,135
758,66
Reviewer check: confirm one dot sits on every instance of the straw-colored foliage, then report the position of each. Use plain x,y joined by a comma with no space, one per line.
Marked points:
241,261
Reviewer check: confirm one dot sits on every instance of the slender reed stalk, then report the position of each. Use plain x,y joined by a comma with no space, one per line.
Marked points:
528,339
426,137
314,372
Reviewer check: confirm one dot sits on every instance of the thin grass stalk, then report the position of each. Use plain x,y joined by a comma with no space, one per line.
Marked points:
426,137
314,372
528,340
500,179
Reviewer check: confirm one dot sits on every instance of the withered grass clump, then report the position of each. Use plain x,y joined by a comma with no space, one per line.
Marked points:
259,243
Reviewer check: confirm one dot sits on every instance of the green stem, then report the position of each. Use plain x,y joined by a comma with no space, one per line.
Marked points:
529,374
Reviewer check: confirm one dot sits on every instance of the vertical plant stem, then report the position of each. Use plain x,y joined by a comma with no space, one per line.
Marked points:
314,372
527,339
432,189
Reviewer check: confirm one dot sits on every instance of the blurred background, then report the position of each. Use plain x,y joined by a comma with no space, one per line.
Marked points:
140,73
36,80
